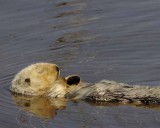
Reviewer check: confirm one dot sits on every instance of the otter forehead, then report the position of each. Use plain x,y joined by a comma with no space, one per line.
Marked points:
39,68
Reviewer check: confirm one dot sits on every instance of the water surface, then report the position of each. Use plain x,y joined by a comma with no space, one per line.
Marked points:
107,39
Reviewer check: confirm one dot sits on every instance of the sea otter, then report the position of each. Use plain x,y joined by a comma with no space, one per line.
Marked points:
43,79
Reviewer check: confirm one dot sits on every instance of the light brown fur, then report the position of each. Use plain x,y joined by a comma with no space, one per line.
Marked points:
43,79
41,106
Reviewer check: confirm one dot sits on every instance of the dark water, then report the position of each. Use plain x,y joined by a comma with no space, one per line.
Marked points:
107,39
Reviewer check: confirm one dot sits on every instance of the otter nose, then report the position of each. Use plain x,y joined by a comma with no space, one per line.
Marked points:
57,69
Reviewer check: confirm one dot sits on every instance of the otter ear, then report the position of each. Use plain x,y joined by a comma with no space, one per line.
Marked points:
73,80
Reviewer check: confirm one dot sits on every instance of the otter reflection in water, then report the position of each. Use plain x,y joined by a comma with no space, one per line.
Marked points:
43,107
46,108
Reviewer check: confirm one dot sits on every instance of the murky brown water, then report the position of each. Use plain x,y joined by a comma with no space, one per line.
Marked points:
107,39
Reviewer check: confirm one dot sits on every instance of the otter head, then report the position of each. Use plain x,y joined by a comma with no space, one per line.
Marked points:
35,79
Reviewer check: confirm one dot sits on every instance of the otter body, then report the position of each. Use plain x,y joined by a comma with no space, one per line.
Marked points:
43,79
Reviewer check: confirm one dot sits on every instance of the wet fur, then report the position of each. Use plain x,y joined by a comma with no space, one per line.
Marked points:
44,79
111,91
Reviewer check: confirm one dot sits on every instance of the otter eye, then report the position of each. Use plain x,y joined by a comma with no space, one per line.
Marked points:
27,80
27,104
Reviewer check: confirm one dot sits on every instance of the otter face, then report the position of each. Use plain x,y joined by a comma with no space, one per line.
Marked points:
44,79
35,79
